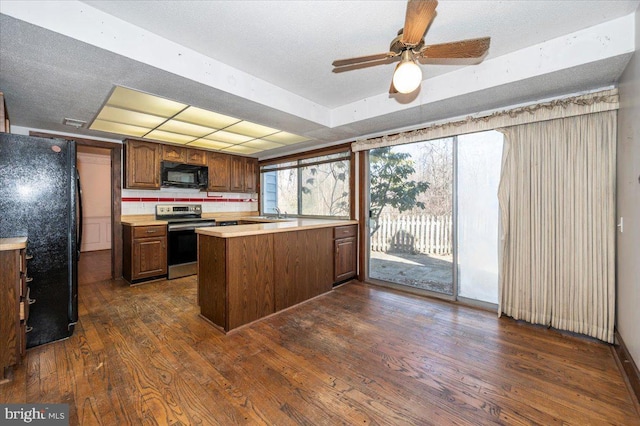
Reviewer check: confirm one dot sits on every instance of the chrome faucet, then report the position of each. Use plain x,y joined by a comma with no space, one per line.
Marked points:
277,211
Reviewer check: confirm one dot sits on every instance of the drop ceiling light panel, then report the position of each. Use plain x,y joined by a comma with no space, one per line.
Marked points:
262,144
223,136
169,137
285,138
119,128
251,129
242,149
126,116
176,126
206,143
143,102
206,118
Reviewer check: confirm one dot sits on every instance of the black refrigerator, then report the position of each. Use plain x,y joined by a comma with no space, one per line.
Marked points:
40,200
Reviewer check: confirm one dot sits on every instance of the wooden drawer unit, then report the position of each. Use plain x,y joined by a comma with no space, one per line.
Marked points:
144,253
345,231
149,231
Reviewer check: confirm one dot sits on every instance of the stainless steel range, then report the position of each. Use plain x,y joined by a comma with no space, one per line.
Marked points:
182,247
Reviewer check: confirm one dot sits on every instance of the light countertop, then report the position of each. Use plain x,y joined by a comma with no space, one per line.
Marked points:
16,243
287,225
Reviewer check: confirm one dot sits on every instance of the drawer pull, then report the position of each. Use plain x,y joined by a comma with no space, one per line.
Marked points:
28,329
28,279
151,231
29,257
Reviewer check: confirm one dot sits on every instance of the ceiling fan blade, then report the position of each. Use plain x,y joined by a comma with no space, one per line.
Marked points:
419,15
360,59
472,48
366,64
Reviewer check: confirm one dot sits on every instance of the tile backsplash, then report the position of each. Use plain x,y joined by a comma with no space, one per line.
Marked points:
137,201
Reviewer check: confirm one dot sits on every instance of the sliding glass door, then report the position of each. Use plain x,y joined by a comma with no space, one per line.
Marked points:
411,211
478,175
432,232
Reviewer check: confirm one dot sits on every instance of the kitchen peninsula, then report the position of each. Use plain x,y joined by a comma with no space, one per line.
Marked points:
247,272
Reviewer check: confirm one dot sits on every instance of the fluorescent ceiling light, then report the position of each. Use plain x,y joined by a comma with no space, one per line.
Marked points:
144,102
206,118
223,136
241,149
169,137
119,115
119,128
262,144
251,129
206,143
132,113
285,138
176,126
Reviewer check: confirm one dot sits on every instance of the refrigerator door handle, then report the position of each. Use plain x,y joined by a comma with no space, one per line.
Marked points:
79,220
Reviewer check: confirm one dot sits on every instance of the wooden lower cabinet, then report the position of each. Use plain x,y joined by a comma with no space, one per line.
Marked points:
14,309
242,279
144,252
345,252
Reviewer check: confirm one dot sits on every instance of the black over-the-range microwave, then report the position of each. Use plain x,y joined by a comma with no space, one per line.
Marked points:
184,175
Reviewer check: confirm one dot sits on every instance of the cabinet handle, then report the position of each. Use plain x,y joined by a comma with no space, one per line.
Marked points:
31,301
28,279
29,256
28,329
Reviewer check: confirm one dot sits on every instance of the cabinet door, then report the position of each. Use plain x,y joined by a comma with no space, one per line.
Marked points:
250,279
219,172
176,154
237,174
196,157
10,340
345,259
142,164
251,175
303,265
149,257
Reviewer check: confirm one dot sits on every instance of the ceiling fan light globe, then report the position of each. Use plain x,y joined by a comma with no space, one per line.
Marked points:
407,77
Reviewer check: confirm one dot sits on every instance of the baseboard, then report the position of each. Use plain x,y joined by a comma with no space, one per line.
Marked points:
628,366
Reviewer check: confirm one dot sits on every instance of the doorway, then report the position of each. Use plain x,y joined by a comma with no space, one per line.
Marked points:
433,217
411,215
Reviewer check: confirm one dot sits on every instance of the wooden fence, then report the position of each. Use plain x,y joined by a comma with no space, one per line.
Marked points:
413,234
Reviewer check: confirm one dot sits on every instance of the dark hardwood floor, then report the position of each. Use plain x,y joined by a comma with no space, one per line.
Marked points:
358,355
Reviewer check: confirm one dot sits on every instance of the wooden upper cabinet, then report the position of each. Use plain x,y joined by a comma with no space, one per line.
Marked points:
251,175
219,172
177,154
196,157
237,174
142,164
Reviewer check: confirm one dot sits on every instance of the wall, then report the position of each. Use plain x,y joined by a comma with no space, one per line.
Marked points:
628,204
94,167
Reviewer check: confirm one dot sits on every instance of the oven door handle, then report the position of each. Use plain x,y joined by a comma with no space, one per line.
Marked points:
188,226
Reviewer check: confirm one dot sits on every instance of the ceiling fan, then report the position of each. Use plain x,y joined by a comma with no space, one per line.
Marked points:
408,47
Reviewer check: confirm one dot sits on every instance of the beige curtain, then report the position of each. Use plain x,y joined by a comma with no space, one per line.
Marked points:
557,206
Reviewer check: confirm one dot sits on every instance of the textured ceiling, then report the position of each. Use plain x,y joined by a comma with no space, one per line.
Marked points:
286,49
